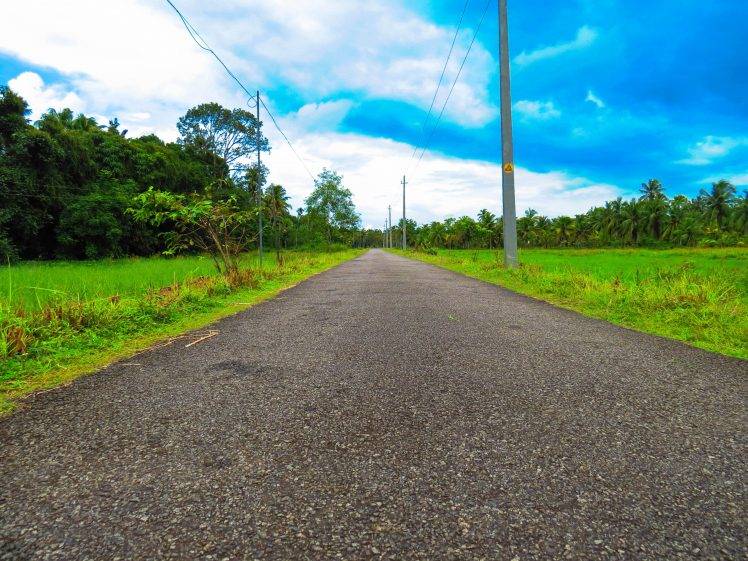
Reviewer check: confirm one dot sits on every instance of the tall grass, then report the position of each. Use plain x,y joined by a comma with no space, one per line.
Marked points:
698,296
90,311
32,285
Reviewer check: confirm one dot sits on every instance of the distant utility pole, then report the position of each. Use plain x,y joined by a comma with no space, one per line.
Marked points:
405,239
389,229
259,173
507,150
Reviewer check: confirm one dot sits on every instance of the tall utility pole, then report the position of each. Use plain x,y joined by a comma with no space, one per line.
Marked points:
405,239
507,150
259,173
389,230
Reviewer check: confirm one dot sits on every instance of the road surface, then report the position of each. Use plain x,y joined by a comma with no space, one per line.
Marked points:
387,409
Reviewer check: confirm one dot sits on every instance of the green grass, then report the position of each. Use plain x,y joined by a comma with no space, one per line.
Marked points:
699,296
33,285
61,320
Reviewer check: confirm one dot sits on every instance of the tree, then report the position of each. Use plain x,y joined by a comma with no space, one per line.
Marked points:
717,201
487,223
276,204
228,137
13,115
198,221
652,190
333,203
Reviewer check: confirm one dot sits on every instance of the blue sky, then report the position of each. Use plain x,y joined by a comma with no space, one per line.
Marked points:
607,94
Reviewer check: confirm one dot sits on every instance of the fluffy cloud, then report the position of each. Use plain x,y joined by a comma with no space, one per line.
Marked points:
40,97
375,50
584,38
441,186
538,110
711,148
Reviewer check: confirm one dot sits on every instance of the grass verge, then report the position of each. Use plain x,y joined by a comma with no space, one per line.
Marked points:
698,296
51,343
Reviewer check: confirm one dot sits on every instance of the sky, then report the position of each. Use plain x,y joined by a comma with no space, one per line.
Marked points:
606,93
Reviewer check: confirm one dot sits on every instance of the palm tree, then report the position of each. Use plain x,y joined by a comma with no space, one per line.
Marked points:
487,221
612,223
276,205
630,222
655,214
652,190
717,201
740,215
564,228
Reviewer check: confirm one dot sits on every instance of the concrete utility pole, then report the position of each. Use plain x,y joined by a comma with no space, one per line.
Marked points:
405,239
507,150
259,173
389,229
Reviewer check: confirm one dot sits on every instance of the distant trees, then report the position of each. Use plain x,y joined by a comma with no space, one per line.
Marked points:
331,205
716,217
67,184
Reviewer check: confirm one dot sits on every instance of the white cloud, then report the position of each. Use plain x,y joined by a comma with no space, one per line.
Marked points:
584,38
737,179
321,116
711,148
539,110
40,98
375,50
592,98
441,186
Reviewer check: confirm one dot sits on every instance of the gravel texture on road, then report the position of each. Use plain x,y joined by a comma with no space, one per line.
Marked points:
387,409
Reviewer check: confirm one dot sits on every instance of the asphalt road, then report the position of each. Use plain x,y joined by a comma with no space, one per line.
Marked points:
387,409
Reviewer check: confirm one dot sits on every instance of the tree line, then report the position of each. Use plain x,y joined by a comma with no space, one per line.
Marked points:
716,217
73,188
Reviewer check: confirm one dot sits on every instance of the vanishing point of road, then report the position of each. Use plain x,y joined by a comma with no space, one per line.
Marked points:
387,409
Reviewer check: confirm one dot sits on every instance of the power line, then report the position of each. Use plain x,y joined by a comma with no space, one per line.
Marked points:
454,83
203,44
441,77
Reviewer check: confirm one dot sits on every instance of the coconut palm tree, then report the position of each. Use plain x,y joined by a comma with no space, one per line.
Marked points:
487,222
652,190
276,206
717,201
630,223
740,215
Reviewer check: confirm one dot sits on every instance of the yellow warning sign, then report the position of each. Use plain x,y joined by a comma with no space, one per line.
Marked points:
508,167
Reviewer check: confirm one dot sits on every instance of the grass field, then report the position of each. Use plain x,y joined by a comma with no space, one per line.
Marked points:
62,319
34,285
699,296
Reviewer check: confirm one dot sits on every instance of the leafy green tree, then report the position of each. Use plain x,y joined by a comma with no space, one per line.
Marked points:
13,116
198,222
227,137
333,203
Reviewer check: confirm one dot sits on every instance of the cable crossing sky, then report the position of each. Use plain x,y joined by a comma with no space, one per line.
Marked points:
203,44
454,83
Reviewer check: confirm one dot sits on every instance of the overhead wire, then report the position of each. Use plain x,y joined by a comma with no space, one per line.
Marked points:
203,44
454,83
441,77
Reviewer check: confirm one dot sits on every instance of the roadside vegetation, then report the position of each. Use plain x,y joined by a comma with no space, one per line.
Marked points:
112,243
59,320
716,217
699,296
